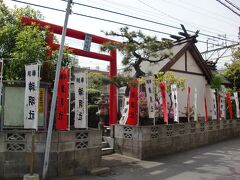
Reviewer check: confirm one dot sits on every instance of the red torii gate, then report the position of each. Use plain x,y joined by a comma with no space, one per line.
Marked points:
112,58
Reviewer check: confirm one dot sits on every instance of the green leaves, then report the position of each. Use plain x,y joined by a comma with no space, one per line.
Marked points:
22,44
216,81
137,47
170,78
232,73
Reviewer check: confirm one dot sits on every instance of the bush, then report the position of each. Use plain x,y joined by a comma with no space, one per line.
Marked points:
93,96
93,119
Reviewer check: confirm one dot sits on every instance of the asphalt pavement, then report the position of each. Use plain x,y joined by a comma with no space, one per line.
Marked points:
219,161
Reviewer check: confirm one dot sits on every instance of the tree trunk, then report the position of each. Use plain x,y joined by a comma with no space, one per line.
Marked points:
138,73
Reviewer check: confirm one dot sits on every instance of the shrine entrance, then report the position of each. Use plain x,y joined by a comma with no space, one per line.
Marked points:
111,58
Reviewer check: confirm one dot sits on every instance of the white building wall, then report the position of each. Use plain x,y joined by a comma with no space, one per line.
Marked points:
194,81
192,65
180,64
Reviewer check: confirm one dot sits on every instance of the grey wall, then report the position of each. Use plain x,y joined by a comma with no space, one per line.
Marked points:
72,152
145,142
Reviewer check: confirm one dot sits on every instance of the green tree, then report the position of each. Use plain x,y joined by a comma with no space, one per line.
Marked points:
232,71
216,81
21,44
97,80
137,48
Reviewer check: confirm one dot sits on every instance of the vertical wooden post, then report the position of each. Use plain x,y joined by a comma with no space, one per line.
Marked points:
32,153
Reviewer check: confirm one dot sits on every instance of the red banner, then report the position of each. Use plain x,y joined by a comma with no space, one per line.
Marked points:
229,105
62,100
188,103
164,101
205,108
133,104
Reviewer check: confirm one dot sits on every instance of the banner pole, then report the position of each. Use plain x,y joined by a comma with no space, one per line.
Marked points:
32,153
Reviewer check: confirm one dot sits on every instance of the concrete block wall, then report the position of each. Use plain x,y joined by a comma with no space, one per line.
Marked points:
72,152
145,142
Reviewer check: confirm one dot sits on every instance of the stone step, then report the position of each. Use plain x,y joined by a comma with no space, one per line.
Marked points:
107,151
100,171
105,144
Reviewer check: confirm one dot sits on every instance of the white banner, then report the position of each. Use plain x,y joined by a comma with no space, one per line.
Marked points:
237,104
80,88
31,97
1,78
214,104
124,112
223,103
149,81
175,102
195,105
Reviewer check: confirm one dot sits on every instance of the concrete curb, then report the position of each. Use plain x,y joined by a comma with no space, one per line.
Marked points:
99,171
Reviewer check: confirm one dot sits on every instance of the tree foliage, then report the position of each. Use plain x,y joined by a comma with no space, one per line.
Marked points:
232,71
170,78
216,81
21,44
97,80
137,48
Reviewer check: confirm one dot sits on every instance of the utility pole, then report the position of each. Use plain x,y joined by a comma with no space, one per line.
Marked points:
54,97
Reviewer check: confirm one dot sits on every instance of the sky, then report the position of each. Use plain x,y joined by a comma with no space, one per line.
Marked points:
208,16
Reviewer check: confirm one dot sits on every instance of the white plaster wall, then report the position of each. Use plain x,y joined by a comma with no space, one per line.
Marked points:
180,64
191,64
194,81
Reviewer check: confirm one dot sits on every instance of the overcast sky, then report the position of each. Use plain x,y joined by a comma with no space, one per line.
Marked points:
208,16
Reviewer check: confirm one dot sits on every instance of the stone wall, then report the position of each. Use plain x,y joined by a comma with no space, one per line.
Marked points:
72,152
145,142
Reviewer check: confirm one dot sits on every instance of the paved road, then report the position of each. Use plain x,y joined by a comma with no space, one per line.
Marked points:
220,161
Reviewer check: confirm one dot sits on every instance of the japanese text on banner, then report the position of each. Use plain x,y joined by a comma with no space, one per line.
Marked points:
62,120
214,104
133,105
80,87
228,97
31,97
164,101
149,81
175,102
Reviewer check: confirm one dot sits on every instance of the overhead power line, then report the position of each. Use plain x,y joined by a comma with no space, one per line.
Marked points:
115,22
228,7
170,16
235,6
143,19
145,12
198,9
224,47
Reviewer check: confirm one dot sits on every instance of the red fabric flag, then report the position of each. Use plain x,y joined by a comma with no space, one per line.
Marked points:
205,108
229,105
164,101
133,104
62,100
188,103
